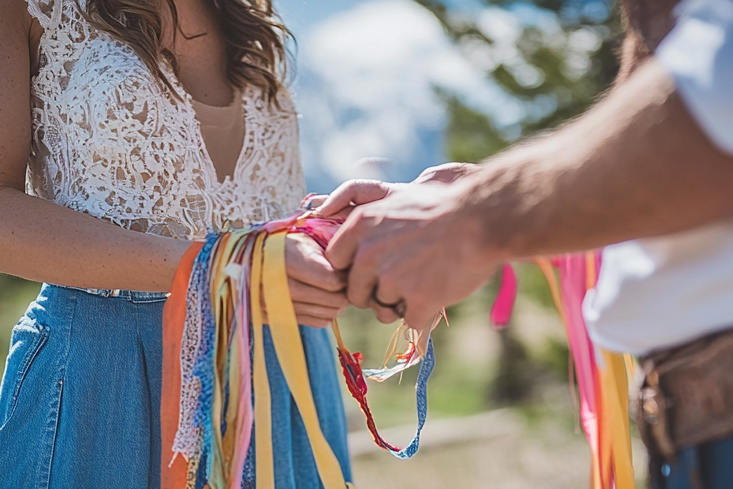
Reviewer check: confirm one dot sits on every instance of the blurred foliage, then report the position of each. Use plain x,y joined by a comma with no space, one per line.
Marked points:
533,284
515,373
470,134
15,295
563,56
562,59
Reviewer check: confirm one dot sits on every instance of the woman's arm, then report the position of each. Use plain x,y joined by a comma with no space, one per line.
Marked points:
45,242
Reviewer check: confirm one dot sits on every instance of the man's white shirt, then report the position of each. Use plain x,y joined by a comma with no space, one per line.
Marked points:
662,292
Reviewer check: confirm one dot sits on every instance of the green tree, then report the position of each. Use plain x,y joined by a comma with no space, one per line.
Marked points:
554,58
15,294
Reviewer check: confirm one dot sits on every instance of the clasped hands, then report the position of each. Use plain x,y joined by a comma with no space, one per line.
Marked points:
405,250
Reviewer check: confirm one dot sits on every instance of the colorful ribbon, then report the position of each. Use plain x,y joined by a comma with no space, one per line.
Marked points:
208,376
602,375
503,307
350,363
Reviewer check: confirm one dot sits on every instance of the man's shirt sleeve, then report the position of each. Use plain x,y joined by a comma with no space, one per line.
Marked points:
698,54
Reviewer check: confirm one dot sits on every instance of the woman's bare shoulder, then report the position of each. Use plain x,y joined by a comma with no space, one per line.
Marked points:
17,24
15,11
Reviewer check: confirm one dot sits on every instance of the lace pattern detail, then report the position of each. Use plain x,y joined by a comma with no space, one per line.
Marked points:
110,141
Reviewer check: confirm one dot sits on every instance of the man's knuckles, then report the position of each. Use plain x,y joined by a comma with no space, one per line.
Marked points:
389,288
385,316
358,299
359,290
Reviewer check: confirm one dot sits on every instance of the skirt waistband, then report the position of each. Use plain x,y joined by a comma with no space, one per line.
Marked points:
131,295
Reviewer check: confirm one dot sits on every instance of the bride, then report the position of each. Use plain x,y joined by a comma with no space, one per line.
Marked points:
129,128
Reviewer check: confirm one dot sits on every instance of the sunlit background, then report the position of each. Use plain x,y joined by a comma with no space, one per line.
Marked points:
386,88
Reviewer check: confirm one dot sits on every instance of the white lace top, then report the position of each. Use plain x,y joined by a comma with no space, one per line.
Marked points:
110,141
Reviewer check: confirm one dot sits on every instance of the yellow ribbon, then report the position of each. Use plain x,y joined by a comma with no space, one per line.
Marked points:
269,278
615,431
219,285
263,429
289,347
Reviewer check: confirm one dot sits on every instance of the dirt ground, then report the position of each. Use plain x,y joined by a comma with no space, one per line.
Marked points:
498,450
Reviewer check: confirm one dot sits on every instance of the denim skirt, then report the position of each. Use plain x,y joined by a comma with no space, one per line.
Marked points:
80,398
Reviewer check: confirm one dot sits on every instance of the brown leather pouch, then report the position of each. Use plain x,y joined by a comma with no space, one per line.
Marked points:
687,395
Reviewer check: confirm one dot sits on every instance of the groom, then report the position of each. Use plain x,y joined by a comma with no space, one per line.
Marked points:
647,172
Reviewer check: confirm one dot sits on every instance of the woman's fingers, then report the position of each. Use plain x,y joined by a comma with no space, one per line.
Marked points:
314,200
313,322
316,289
315,315
306,263
315,307
307,294
315,311
356,192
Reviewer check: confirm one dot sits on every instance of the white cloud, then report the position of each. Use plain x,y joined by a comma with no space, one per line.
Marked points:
369,74
368,89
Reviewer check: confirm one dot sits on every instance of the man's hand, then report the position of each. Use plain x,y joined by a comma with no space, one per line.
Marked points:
354,193
412,247
636,165
446,173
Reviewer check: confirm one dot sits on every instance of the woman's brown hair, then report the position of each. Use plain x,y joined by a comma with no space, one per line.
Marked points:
255,38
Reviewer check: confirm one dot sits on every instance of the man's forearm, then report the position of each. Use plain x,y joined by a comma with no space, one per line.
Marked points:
636,165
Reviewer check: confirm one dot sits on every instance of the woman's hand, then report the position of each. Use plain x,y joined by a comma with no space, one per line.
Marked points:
316,288
341,201
358,192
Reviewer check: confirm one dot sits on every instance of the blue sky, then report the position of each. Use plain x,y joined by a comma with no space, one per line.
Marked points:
367,73
299,14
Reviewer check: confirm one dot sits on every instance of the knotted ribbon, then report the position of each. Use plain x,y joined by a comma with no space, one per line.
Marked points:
208,376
